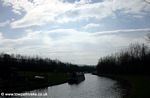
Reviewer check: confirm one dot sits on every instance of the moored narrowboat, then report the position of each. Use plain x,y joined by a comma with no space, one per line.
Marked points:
76,77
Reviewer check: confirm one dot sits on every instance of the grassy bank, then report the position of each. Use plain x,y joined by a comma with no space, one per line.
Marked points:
53,78
137,85
30,83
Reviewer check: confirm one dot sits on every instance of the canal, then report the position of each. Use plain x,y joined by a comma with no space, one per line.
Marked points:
92,87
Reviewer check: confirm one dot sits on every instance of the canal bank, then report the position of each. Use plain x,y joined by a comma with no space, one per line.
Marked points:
33,80
139,85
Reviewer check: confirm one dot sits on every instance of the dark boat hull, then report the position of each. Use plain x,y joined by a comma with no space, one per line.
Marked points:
76,79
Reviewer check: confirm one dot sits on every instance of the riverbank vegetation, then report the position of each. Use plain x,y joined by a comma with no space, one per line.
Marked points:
139,85
19,73
133,60
132,65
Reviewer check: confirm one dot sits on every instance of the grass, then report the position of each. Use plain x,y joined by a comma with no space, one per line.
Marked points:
138,86
52,77
30,83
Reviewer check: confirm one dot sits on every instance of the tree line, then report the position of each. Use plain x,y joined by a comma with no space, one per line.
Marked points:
133,60
12,62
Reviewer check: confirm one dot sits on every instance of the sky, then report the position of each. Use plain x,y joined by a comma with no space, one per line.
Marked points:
75,31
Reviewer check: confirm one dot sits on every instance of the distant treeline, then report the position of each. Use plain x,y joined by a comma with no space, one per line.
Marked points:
26,63
133,60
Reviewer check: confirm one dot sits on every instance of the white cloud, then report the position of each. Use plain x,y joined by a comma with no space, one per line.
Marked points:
70,45
131,6
40,12
2,24
147,30
83,1
91,26
90,10
1,36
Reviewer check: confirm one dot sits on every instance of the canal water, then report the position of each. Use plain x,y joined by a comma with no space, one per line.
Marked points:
92,87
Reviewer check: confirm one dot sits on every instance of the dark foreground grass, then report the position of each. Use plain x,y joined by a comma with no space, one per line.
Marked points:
53,78
140,86
30,83
137,86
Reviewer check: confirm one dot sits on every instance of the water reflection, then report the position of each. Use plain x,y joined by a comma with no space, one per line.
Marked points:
92,87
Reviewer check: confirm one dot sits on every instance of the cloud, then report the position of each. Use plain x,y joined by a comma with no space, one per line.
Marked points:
39,12
71,45
98,11
56,11
91,26
134,7
2,24
122,31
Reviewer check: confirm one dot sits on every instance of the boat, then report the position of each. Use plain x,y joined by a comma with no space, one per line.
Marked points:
76,77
